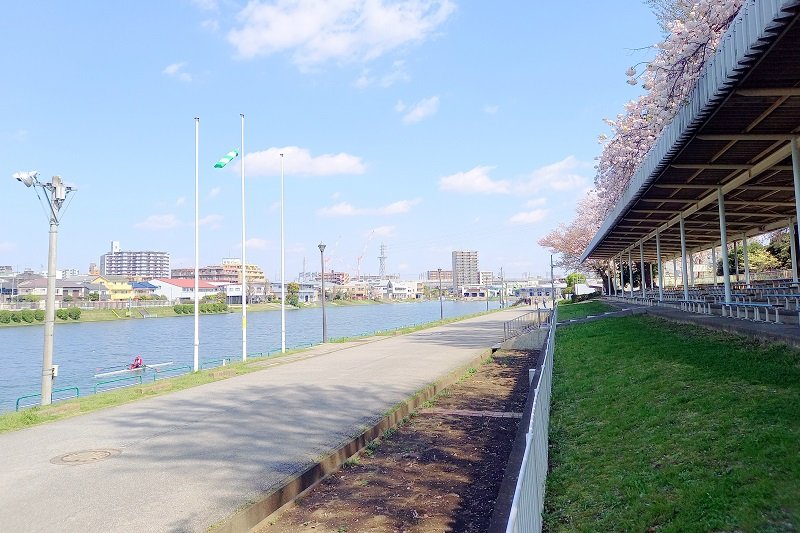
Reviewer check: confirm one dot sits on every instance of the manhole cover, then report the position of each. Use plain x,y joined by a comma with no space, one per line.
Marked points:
84,457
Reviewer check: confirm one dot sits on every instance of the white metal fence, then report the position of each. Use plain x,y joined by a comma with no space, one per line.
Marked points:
528,503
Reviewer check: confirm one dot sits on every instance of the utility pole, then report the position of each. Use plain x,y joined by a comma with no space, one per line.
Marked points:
552,282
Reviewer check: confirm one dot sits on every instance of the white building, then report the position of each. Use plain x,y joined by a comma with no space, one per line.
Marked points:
145,264
182,290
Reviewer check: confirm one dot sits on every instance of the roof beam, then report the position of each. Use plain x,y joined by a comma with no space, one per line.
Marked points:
712,166
777,91
746,137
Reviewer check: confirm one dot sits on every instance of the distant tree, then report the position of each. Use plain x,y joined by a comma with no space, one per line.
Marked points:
575,278
67,298
94,296
780,248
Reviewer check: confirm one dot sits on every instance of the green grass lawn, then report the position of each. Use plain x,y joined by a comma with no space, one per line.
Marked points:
658,427
582,309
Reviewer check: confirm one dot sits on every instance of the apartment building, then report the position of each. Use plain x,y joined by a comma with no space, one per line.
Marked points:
465,269
144,264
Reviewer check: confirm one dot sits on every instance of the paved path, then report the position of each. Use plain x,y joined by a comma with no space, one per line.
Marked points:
191,458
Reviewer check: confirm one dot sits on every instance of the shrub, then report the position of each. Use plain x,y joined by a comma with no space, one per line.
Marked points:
63,314
39,315
27,316
74,313
15,316
5,317
178,308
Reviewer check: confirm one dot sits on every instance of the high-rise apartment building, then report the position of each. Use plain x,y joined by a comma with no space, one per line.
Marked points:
146,264
465,269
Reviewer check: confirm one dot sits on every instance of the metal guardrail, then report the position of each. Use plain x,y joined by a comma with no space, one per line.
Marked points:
39,395
222,361
524,323
528,503
171,371
124,378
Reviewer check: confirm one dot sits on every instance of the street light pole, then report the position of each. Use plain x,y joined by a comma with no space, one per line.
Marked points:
56,193
441,305
322,277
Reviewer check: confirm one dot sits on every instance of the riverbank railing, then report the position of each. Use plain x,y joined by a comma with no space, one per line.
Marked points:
528,503
524,323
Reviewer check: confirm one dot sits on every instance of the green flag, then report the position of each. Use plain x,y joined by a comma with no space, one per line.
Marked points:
227,158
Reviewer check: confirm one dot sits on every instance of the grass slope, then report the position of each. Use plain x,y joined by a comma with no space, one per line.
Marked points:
658,427
582,309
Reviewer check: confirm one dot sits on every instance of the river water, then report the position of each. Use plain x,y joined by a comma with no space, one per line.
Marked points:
83,349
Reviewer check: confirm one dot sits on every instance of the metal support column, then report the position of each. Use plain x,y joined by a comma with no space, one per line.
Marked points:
621,281
746,261
793,249
630,272
684,277
674,274
796,171
723,239
660,268
714,264
691,269
641,266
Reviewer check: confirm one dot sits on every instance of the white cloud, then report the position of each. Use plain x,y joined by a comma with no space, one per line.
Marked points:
529,217
422,109
395,75
6,246
345,209
180,201
536,202
256,243
206,5
176,70
214,221
316,31
335,195
476,180
158,222
382,231
211,25
561,176
491,109
299,162
214,192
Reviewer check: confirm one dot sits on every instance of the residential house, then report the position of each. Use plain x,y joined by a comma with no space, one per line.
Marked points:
182,290
119,288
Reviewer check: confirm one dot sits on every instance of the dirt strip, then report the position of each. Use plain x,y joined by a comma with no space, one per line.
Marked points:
440,471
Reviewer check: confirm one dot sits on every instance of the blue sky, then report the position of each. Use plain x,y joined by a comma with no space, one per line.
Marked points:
430,126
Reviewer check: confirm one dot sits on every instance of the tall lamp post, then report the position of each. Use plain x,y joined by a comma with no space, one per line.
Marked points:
441,305
56,193
322,277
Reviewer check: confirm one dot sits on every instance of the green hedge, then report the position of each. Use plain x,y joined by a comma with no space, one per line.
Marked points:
29,316
188,309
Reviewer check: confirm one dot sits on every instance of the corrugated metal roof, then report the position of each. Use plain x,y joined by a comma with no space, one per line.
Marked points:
733,133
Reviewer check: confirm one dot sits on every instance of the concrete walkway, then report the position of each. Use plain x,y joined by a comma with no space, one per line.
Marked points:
189,459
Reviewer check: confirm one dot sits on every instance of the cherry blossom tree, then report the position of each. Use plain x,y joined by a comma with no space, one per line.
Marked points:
693,30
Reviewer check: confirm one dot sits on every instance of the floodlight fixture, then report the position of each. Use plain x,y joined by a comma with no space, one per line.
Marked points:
28,178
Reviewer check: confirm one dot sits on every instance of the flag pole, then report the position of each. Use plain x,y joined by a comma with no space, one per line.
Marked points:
244,261
196,244
283,280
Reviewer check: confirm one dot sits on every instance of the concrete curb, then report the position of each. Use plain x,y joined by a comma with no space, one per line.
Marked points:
295,486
